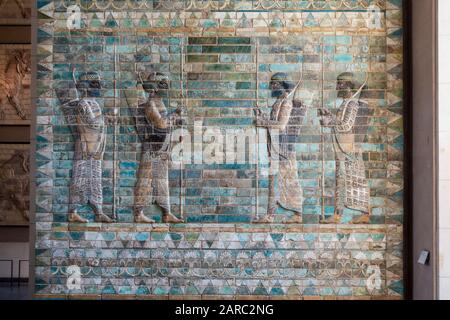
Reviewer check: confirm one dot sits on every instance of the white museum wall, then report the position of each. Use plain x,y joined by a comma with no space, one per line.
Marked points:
15,251
444,149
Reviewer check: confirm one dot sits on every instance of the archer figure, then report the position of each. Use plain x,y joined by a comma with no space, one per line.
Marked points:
283,126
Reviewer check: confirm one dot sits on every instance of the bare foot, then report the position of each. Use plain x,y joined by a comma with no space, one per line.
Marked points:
364,219
75,217
142,218
296,218
334,219
101,217
170,218
269,218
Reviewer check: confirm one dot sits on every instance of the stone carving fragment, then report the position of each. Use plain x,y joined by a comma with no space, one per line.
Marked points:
15,182
15,9
11,83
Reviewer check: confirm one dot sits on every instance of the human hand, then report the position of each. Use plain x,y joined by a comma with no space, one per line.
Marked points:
112,119
324,112
326,120
180,110
257,111
261,122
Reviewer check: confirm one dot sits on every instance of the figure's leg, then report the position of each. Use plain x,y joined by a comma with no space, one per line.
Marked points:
338,195
77,191
74,202
16,104
360,191
168,217
99,215
143,191
96,194
291,193
296,218
272,202
75,217
161,185
334,219
362,219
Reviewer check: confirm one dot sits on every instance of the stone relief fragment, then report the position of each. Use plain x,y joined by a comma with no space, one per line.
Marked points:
15,182
15,11
86,120
15,101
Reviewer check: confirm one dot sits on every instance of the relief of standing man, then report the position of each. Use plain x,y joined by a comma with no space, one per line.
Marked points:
352,188
283,126
154,126
87,123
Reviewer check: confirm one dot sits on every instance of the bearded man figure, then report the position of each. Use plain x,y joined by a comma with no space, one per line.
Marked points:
352,188
85,118
283,127
154,126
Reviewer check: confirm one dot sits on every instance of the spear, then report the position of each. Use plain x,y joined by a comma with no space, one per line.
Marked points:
184,99
257,137
322,139
116,112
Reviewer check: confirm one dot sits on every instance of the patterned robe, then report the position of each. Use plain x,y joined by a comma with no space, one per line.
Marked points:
352,189
153,125
87,123
283,127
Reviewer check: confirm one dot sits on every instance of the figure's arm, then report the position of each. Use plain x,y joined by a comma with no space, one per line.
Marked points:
68,108
298,114
344,124
85,113
153,115
140,122
176,117
283,118
91,130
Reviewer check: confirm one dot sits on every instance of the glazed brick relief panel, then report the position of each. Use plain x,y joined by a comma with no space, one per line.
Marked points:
220,148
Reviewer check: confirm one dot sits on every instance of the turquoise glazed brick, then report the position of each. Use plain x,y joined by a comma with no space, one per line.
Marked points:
219,63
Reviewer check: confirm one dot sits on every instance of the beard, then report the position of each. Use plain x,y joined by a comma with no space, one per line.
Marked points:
94,93
344,94
277,93
163,93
